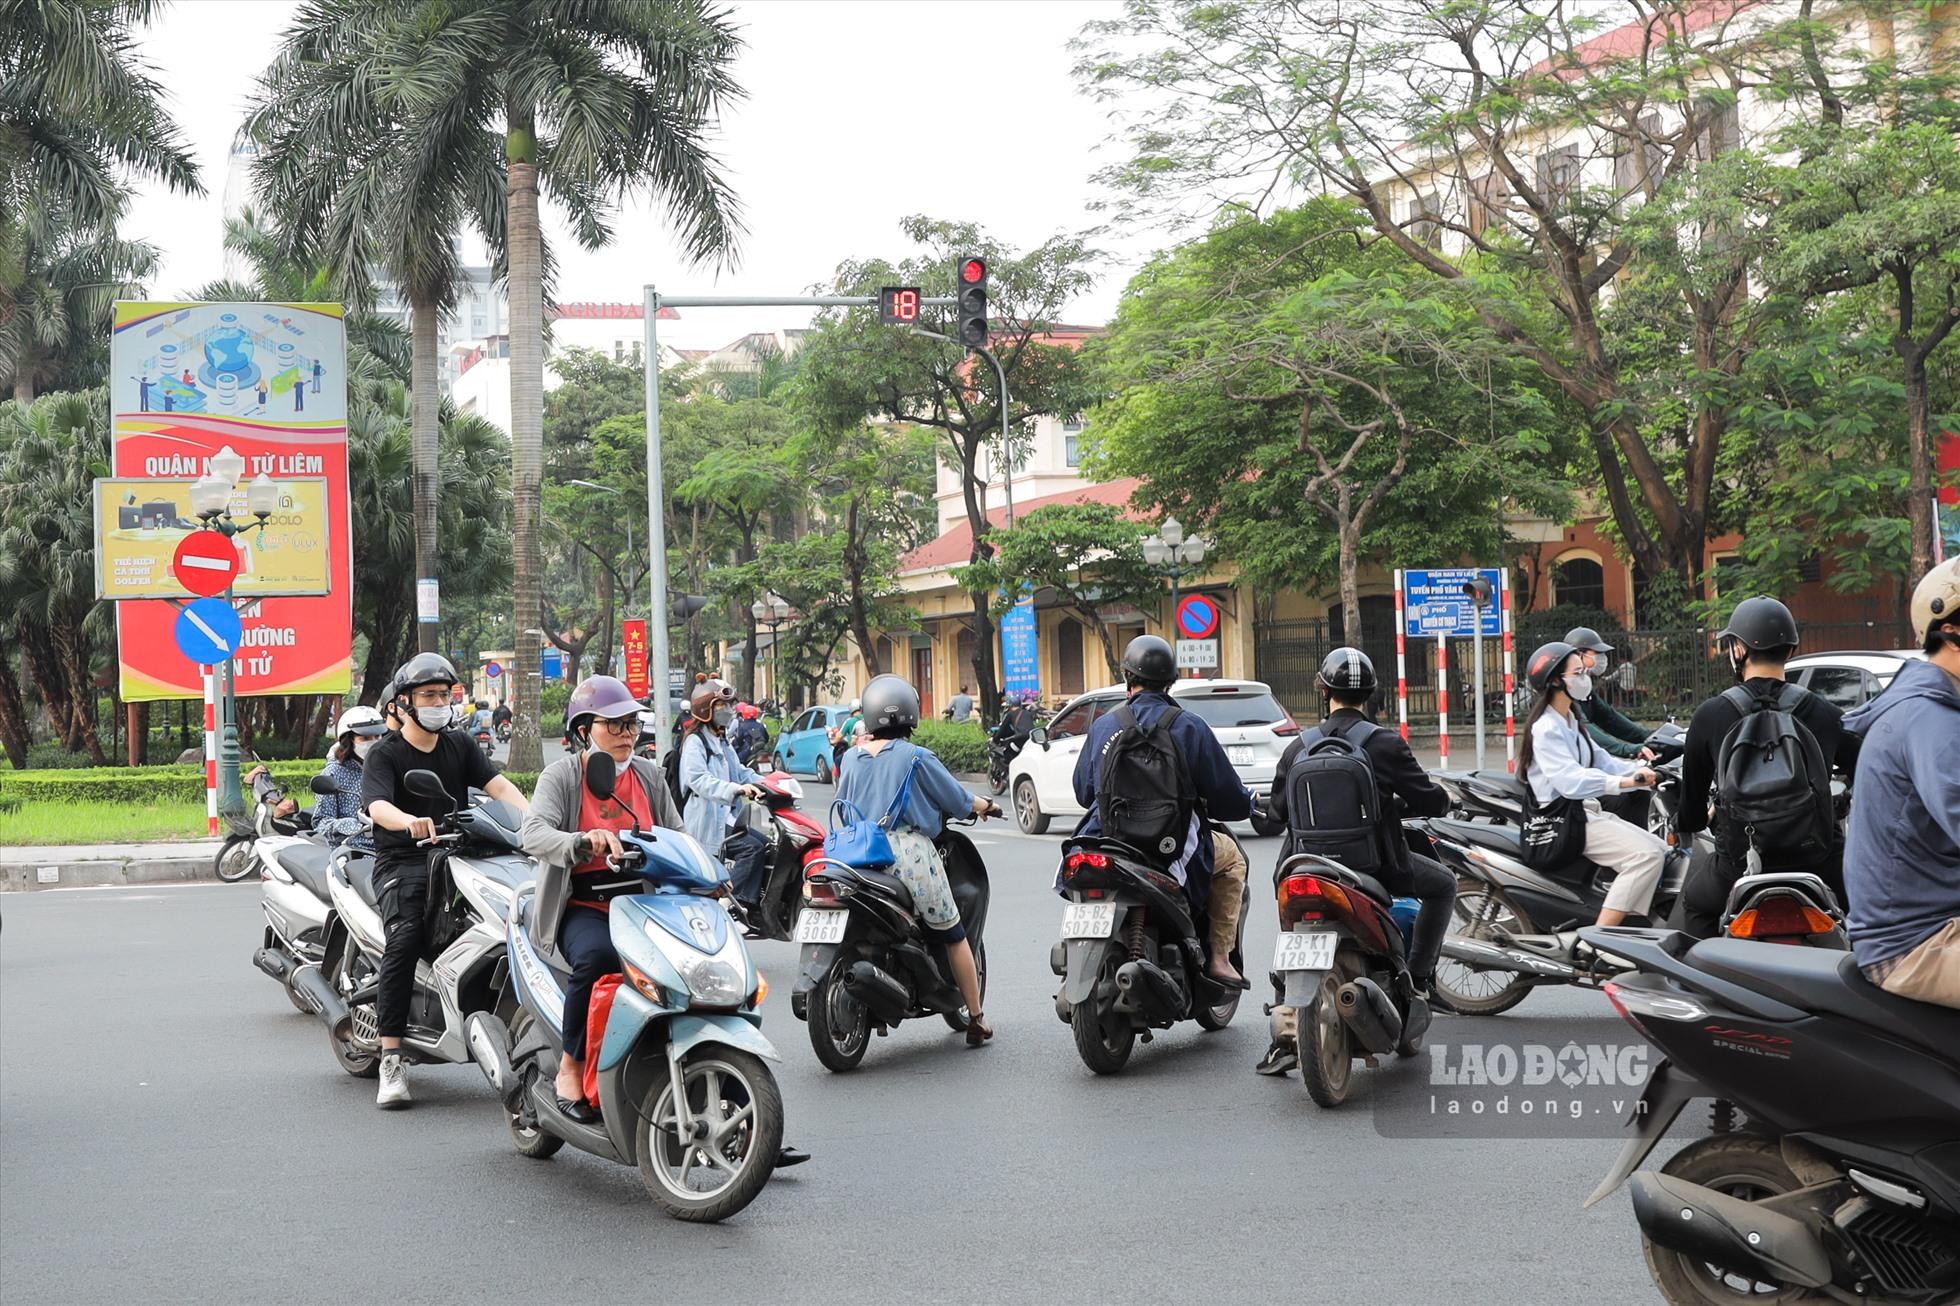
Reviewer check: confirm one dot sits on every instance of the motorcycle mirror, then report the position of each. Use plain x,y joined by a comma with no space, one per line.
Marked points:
601,774
425,784
1039,735
322,786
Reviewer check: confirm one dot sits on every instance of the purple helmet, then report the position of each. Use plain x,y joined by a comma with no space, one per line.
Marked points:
599,696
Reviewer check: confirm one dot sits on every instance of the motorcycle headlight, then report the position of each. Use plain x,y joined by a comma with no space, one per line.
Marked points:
791,786
714,982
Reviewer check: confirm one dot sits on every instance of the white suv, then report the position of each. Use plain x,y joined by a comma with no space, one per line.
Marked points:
1245,716
1849,679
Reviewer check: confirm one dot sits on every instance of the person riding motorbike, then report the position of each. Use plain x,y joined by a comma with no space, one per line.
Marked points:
1211,868
338,815
880,769
1559,761
1346,681
403,822
717,784
840,735
1610,728
501,716
1902,852
750,738
1761,636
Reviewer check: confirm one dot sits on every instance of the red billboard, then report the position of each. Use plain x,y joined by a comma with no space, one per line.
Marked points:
634,642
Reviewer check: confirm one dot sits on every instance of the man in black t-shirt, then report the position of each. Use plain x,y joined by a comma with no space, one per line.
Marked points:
422,690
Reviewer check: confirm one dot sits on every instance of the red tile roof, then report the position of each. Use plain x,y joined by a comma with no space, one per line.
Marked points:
1627,40
955,547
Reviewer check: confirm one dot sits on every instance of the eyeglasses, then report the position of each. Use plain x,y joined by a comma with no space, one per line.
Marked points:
619,725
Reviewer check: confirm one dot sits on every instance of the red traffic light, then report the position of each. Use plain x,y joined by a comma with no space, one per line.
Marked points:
973,271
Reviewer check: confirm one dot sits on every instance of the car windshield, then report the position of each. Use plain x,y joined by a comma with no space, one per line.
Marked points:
1255,708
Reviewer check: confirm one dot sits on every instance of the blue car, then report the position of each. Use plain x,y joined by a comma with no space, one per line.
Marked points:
804,746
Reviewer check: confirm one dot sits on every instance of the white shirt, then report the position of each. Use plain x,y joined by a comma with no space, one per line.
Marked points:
1565,764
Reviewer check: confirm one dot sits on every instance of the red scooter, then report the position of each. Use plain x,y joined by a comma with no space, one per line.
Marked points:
795,837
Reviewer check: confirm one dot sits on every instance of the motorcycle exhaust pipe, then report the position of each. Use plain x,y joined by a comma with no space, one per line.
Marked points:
310,984
274,963
489,1044
1369,1014
884,996
1489,956
1149,989
1744,1237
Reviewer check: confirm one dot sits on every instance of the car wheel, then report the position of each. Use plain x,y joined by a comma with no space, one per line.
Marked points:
1027,807
779,764
823,769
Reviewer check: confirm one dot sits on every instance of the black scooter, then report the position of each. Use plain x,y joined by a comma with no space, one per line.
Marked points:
1131,957
1843,1180
866,959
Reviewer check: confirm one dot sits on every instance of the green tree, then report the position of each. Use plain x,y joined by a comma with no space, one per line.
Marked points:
55,324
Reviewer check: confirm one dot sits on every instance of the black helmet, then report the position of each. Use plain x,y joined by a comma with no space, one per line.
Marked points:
1347,671
425,669
1587,639
1541,669
1148,660
1761,623
888,701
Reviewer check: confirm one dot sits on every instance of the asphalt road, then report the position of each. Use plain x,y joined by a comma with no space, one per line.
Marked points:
171,1130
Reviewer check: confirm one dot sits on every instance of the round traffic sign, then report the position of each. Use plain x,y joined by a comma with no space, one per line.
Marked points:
205,563
208,631
1197,617
493,670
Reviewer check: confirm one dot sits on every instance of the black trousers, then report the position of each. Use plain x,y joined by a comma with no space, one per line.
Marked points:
404,899
586,939
1426,880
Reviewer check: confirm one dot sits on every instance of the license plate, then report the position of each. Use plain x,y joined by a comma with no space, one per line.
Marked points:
1089,920
821,926
1305,950
1240,756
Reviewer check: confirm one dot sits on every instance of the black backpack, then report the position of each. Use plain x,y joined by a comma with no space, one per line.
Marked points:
671,766
1333,807
1144,794
1773,790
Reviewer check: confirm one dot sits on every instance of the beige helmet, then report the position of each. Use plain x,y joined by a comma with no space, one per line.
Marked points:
707,696
1937,599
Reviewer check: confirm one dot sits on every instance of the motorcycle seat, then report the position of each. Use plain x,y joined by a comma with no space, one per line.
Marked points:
1502,781
1827,981
1308,864
360,874
1505,839
307,864
887,883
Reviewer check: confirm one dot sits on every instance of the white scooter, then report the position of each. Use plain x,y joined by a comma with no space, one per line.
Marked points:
476,869
292,867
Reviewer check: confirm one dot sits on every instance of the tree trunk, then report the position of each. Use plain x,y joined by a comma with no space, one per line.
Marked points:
425,431
14,736
1919,459
77,670
975,492
860,609
24,384
527,437
1349,533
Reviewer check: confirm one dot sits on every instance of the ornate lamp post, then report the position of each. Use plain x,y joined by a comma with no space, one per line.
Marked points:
772,610
211,497
1170,554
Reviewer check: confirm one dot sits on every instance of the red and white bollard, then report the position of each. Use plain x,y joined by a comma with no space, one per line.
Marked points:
1443,702
1510,674
210,751
1401,664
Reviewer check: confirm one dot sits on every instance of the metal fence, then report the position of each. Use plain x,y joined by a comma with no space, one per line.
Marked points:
1656,674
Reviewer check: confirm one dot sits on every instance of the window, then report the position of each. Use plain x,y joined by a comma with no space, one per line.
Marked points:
1811,569
1643,151
476,323
1579,582
1071,450
1233,709
1425,219
1068,655
1721,128
1488,196
1072,722
1841,687
1559,174
803,722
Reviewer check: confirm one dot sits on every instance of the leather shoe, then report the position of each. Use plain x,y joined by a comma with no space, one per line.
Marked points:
579,1112
790,1156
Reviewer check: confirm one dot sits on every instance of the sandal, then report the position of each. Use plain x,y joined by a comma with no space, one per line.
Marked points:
978,1031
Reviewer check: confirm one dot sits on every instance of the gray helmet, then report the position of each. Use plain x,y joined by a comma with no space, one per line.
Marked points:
889,701
425,669
1148,660
1586,638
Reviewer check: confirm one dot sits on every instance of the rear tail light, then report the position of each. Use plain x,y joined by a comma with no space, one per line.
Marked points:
1633,1003
1086,871
1309,897
1287,727
1780,916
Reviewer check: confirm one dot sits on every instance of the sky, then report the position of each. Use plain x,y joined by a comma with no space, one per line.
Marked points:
850,124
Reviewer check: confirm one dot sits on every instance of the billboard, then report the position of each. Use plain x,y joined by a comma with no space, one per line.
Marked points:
1946,503
633,639
270,382
1020,649
139,523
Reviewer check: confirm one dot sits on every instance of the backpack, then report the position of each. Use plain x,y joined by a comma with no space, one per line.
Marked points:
1144,794
670,765
1772,784
1333,807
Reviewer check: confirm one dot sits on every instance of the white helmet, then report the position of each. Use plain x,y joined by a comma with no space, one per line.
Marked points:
363,721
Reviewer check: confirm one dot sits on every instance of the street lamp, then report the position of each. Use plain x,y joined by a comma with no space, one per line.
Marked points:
1170,554
211,502
774,610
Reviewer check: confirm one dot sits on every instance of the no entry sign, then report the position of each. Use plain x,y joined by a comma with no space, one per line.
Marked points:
205,563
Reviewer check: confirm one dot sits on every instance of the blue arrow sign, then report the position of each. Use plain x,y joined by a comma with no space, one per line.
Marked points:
208,631
1434,603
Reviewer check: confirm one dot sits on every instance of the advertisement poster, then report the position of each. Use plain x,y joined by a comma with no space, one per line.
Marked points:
139,523
270,381
1946,510
1020,658
634,642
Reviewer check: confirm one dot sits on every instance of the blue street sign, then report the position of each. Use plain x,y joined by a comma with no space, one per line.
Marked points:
1020,653
1433,603
551,665
208,631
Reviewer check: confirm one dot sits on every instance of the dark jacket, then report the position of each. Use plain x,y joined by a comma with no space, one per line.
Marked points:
1610,728
1398,776
1222,796
1711,724
1902,853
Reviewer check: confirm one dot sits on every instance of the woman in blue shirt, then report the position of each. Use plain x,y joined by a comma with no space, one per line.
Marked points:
907,789
338,815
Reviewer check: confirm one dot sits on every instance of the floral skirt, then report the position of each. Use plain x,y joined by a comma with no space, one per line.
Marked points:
916,862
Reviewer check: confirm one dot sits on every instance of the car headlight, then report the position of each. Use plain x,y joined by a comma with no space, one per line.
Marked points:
714,982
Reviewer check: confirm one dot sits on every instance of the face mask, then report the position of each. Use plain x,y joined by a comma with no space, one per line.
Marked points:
1579,685
434,719
362,747
724,715
1599,664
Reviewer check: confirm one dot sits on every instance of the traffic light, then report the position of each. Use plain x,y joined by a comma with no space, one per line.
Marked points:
686,605
1478,591
970,313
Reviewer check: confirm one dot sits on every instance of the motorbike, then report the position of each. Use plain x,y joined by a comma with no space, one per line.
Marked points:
503,732
866,960
1001,753
1130,957
1341,970
293,893
474,874
1832,1174
486,741
683,1082
1498,796
795,838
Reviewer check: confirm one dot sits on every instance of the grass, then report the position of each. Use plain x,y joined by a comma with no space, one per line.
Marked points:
85,823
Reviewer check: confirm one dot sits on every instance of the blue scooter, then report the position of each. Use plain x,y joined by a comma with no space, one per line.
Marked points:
685,1091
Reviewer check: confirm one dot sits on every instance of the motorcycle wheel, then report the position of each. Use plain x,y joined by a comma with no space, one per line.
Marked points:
840,1025
1103,1038
234,861
706,1180
1749,1169
956,1020
1464,989
359,1064
997,783
529,1140
1326,1060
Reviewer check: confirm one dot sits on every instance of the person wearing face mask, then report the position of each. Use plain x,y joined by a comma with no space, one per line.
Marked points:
404,822
338,815
717,784
1761,636
1610,728
1563,766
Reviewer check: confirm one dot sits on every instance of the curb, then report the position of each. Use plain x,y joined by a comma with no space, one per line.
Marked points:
71,872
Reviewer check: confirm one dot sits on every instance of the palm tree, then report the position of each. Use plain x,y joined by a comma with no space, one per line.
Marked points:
55,321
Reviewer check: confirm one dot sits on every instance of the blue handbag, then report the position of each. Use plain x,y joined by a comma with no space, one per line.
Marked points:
857,841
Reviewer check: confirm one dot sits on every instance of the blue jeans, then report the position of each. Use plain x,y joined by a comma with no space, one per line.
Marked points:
586,939
747,855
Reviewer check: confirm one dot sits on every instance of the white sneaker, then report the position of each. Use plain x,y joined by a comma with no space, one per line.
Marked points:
394,1083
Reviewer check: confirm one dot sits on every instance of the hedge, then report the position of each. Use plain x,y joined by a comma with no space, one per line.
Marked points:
159,784
961,747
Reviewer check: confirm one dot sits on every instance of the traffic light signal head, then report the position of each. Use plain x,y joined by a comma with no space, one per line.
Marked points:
970,314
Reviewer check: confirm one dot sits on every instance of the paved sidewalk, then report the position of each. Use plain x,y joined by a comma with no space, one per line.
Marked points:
89,865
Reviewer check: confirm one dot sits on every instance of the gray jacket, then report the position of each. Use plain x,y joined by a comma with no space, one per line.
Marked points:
551,834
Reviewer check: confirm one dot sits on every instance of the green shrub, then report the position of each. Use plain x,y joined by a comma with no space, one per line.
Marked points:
551,704
961,747
144,785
